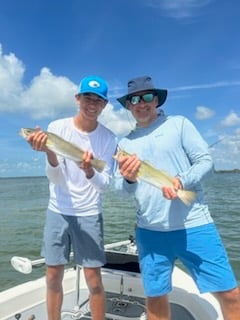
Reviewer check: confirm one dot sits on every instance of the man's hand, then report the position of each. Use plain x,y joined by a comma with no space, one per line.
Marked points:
128,167
86,165
171,192
38,140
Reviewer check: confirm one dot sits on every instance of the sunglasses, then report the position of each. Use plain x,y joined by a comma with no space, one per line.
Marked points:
147,97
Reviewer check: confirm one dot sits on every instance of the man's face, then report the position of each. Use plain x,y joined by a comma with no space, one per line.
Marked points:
91,105
143,107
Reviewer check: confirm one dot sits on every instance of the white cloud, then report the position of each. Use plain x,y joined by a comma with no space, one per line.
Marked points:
179,9
49,95
203,113
31,166
228,145
11,74
46,96
207,86
119,121
232,119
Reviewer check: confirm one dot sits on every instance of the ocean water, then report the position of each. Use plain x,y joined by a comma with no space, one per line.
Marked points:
23,203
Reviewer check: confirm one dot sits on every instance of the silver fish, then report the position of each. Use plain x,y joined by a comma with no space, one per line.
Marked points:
159,178
64,148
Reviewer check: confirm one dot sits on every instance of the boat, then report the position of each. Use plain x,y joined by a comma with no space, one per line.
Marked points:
125,298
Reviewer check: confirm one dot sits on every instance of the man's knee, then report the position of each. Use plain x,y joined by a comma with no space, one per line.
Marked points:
229,297
95,290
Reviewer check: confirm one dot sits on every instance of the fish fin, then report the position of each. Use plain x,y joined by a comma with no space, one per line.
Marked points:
99,165
186,196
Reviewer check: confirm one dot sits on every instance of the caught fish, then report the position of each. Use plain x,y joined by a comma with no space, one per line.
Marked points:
64,148
158,178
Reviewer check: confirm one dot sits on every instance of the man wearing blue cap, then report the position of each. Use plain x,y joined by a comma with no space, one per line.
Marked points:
167,229
74,215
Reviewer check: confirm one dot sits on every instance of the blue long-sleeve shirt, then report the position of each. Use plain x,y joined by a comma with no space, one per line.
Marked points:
171,144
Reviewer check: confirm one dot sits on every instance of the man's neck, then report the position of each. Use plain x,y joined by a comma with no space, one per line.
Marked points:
84,125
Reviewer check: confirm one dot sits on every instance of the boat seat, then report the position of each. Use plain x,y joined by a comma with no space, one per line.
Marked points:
121,261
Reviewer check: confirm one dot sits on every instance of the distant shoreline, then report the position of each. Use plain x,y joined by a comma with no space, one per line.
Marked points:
215,171
227,171
24,177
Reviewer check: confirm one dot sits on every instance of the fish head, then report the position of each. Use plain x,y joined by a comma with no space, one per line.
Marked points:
120,153
25,132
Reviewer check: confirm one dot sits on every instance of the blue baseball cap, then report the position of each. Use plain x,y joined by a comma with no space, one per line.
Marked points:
94,84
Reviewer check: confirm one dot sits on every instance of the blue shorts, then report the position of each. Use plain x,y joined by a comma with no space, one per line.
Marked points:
201,251
84,235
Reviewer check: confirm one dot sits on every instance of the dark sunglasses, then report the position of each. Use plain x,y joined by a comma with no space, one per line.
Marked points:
147,97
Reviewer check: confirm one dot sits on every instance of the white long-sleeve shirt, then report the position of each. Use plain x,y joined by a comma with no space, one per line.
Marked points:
71,193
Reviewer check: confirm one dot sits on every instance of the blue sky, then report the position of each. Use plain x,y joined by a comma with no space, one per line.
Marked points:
190,47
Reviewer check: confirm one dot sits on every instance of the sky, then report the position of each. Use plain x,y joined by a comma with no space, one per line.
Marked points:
189,47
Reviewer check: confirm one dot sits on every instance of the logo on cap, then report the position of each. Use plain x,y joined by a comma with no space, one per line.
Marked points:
94,84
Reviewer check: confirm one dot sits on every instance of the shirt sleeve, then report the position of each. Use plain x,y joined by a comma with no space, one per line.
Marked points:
197,152
122,185
56,174
101,180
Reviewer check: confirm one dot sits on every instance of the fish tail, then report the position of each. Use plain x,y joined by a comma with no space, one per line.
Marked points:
186,196
98,164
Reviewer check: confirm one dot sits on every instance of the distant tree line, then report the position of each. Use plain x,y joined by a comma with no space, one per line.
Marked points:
227,171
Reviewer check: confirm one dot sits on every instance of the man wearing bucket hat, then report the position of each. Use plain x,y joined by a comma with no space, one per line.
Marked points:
167,229
74,215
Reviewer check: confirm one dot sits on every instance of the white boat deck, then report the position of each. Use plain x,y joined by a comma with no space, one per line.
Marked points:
125,299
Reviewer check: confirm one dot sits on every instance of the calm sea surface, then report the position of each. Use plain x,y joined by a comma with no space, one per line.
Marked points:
23,203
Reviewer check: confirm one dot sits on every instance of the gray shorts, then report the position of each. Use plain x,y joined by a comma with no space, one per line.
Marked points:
82,235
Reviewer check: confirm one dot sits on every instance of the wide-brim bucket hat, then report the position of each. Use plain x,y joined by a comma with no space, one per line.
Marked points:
142,84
